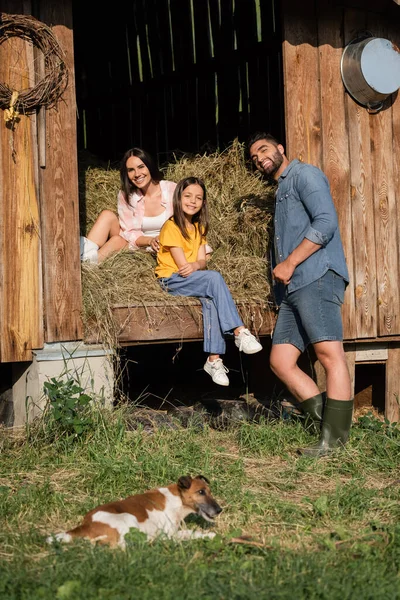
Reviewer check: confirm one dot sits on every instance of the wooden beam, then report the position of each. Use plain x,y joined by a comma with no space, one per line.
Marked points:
384,194
392,398
301,81
371,352
59,195
361,201
335,139
21,324
155,323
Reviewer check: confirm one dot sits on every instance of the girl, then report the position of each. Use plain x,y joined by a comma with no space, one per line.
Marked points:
144,204
181,262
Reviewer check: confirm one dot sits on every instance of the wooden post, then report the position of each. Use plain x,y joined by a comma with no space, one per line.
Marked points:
59,195
301,81
392,412
21,322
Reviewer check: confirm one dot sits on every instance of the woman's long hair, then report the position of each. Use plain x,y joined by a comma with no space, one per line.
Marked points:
127,187
201,218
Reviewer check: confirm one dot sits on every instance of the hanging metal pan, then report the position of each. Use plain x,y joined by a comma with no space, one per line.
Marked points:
371,70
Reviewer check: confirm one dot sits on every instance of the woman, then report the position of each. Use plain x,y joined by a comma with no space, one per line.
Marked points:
144,204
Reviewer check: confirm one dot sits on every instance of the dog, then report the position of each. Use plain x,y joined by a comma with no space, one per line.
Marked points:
159,511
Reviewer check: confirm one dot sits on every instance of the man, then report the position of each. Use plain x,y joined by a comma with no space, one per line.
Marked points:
310,276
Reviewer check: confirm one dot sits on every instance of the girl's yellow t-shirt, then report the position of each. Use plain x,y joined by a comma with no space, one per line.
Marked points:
170,236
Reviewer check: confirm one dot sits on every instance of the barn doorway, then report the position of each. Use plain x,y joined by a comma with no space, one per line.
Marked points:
177,76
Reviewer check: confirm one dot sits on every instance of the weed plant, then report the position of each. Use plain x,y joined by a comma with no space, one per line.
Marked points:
325,529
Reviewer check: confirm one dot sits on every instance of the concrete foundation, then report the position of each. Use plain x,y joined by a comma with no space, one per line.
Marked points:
22,397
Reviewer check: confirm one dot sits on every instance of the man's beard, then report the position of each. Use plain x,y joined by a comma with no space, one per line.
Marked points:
276,161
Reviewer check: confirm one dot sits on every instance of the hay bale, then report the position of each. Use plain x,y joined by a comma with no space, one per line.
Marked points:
240,206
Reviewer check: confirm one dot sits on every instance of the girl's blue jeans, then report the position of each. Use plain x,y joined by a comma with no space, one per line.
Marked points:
220,315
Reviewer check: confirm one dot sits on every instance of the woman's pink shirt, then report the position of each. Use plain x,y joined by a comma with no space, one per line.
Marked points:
131,215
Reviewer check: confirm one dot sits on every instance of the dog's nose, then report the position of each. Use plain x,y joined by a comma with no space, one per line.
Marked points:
218,509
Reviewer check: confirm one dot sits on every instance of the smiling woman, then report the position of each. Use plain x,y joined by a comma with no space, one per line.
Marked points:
144,204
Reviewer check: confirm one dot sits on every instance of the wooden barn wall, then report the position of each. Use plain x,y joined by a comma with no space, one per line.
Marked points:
60,197
177,76
40,285
20,284
358,151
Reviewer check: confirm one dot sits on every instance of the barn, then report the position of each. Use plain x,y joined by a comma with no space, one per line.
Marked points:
183,76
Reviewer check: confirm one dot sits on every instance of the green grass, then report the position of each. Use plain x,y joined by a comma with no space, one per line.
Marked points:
318,529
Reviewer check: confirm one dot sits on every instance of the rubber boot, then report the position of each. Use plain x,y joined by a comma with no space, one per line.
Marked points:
313,409
335,429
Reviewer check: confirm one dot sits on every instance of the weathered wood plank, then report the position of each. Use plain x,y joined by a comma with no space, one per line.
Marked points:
335,140
394,37
386,229
392,411
367,352
362,207
351,364
59,197
301,81
139,324
21,325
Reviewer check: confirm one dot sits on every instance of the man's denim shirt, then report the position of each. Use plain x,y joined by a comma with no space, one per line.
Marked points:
304,209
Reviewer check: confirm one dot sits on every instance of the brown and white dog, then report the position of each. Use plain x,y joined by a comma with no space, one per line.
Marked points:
159,511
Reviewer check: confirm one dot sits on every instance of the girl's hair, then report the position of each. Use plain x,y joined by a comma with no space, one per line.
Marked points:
127,187
201,217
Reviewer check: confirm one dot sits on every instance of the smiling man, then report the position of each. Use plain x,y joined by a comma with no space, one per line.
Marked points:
310,277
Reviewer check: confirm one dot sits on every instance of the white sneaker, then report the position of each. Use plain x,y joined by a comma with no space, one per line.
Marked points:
218,371
89,250
247,343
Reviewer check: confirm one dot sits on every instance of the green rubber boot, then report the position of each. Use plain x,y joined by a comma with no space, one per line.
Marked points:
313,409
335,429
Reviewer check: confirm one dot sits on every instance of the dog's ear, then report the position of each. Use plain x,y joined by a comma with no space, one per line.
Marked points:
184,482
203,478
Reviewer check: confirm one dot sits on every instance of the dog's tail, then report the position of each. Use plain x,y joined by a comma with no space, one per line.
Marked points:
95,532
68,536
59,537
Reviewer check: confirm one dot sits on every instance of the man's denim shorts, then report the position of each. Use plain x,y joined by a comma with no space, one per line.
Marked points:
311,314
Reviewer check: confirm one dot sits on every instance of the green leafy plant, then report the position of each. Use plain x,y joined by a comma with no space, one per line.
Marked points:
372,423
68,406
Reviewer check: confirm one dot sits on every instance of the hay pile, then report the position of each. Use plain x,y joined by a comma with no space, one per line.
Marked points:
240,206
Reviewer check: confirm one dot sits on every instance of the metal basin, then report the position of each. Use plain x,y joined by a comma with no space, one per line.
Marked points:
371,70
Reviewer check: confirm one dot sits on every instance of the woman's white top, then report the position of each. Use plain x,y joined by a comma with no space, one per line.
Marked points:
151,225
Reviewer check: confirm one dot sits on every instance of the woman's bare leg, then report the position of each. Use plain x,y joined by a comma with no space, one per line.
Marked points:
105,233
105,227
114,244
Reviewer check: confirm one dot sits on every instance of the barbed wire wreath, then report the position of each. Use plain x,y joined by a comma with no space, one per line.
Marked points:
49,89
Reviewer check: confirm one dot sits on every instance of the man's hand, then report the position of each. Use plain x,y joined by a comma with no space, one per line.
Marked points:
283,272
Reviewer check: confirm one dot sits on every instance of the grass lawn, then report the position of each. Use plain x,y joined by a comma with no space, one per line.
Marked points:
317,529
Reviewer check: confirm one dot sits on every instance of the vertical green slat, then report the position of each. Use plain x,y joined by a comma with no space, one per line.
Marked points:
210,29
258,17
128,56
248,88
171,35
273,17
84,129
240,109
216,107
149,51
234,28
139,55
193,31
